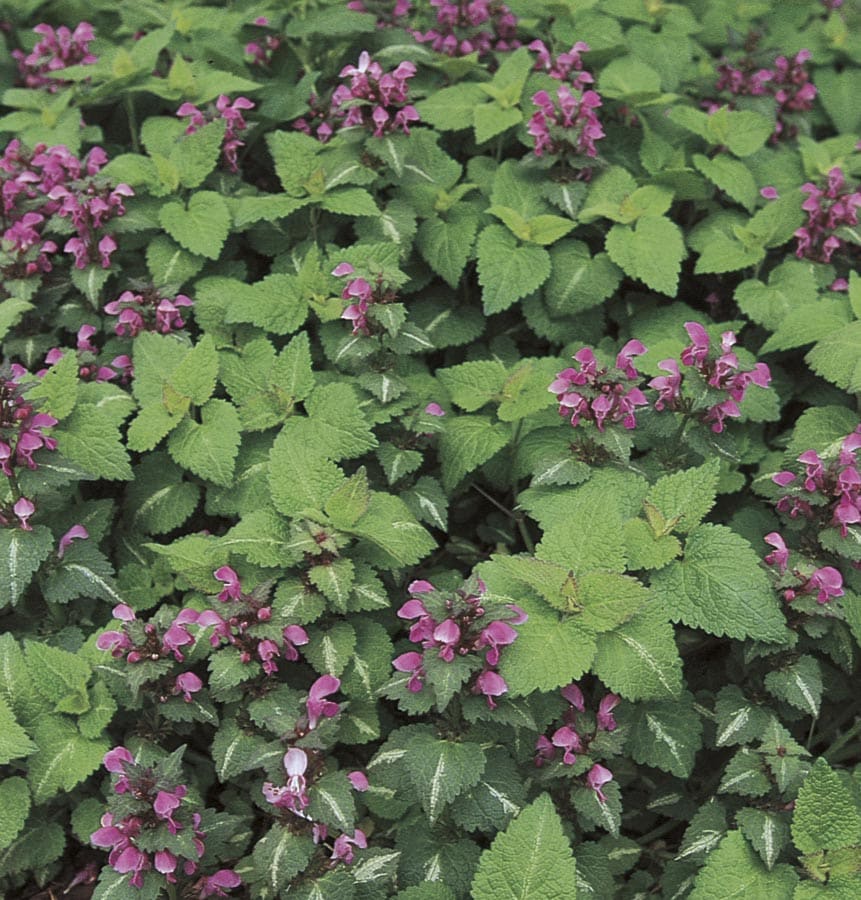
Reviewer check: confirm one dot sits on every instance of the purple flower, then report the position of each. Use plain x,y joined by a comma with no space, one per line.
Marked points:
574,696
567,739
828,582
545,751
596,778
294,636
75,532
342,850
218,884
232,587
115,760
780,555
446,635
495,635
411,662
187,684
491,684
608,703
434,409
293,795
166,803
358,780
316,703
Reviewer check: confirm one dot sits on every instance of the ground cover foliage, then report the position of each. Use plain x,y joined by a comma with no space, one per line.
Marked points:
428,440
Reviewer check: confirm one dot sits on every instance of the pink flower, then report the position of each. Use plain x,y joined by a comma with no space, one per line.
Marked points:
294,636
316,703
216,885
187,684
608,703
342,850
293,795
491,684
495,635
232,587
568,739
24,509
434,409
780,555
411,662
596,778
829,583
574,696
75,532
447,635
115,760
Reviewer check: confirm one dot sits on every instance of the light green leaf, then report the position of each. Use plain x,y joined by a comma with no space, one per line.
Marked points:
579,281
14,742
446,243
278,857
530,860
826,816
195,376
58,387
473,384
14,807
208,449
767,831
652,251
836,358
640,660
734,870
63,760
201,227
467,443
389,525
94,442
719,586
684,498
508,271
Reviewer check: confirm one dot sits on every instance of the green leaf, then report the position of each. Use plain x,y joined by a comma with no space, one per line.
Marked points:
278,857
445,243
293,373
490,119
21,554
11,310
530,860
101,711
14,742
734,870
350,501
201,227
58,387
473,384
158,498
500,795
839,92
14,807
467,443
55,672
208,449
579,281
508,271
94,442
826,816
330,648
63,760
452,108
738,720
389,525
262,537
549,652
767,831
196,155
719,586
195,376
745,774
705,832
588,536
666,735
350,202
332,802
645,550
652,251
799,684
300,477
640,660
440,770
235,751
169,264
630,78
743,133
684,498
594,812
275,303
37,847
836,359
731,176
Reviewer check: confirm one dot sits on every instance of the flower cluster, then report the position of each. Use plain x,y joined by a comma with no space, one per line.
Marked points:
388,12
147,311
831,487
572,129
788,82
375,100
293,796
362,295
567,737
827,210
53,52
471,26
261,54
53,181
243,625
88,367
561,66
154,814
825,582
230,113
458,624
21,435
572,740
720,371
600,395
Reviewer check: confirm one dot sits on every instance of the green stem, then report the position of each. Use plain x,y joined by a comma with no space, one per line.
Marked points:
833,752
133,122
